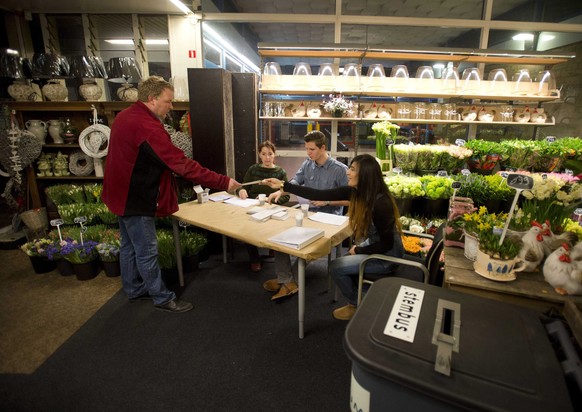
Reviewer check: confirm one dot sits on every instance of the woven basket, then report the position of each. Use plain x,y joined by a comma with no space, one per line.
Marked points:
35,219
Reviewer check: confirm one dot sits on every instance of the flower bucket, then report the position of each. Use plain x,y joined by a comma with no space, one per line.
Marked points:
483,165
404,205
88,270
112,269
471,246
41,264
500,270
65,267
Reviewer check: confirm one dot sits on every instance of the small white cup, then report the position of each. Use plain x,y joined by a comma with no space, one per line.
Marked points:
299,219
262,198
305,209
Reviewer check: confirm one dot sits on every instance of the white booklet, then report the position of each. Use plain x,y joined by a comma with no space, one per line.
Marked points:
297,237
328,218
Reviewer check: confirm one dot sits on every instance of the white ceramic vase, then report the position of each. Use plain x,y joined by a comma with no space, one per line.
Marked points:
55,91
37,128
55,128
22,91
90,91
127,93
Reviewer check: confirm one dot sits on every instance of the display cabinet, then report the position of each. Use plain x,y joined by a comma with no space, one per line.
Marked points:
407,101
81,115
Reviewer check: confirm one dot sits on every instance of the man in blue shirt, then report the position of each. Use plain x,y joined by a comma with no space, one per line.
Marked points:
318,171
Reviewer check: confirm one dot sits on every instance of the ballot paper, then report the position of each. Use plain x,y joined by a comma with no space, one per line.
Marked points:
219,197
328,218
237,201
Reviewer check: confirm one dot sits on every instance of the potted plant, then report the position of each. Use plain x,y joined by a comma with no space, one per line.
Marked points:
83,256
404,189
437,191
37,252
486,155
547,156
497,260
477,223
337,105
108,249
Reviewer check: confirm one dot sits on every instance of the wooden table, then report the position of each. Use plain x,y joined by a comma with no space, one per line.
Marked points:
529,289
233,221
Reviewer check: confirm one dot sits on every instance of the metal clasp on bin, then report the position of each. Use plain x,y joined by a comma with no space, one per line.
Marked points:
447,320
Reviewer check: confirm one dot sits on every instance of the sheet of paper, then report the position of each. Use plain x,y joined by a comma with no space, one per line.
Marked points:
219,197
237,201
328,218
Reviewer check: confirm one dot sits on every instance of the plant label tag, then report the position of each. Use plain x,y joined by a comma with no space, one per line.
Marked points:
544,176
181,223
465,172
578,211
551,139
456,185
80,219
389,142
460,142
397,170
57,222
569,172
442,173
519,182
504,175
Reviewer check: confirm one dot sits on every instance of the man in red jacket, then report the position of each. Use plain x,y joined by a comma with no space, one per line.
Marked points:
139,185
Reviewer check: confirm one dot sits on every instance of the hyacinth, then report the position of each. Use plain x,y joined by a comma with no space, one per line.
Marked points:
543,188
37,247
108,252
337,102
76,252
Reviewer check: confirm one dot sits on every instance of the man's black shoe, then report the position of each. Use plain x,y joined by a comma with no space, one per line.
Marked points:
145,296
175,306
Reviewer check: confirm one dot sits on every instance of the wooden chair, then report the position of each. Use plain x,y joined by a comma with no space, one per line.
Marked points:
425,270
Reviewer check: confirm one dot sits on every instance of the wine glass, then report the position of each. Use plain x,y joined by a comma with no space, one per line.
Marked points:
450,78
471,80
425,76
376,76
522,81
546,83
498,81
399,75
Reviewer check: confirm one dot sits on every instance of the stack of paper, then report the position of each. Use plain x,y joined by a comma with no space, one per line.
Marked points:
297,237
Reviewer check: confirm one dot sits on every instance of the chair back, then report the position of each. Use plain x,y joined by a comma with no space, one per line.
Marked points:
432,260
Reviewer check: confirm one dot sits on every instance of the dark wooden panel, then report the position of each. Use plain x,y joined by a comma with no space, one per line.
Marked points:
211,119
245,115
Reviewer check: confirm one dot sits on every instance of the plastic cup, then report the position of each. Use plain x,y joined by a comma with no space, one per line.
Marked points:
305,209
262,198
299,219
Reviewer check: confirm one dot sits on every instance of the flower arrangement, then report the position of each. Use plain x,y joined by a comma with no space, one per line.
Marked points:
76,252
517,153
497,188
105,215
573,226
384,130
404,157
437,187
93,192
428,157
417,246
108,252
454,157
37,247
337,105
404,187
486,227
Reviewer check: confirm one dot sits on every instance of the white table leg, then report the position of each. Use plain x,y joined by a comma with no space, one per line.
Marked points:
176,233
301,305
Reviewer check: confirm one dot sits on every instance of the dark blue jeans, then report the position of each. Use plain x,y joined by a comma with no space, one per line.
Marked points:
140,271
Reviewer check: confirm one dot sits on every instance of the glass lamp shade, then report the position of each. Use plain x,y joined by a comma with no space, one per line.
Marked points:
48,65
87,67
124,70
11,65
302,69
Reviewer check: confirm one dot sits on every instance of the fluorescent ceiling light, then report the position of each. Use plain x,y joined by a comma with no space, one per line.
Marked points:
181,6
547,37
226,45
129,41
523,36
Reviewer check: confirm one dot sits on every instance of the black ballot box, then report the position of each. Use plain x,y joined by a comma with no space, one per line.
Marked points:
417,347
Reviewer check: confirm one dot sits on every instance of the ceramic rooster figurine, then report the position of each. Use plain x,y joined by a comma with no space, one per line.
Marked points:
553,241
561,273
532,251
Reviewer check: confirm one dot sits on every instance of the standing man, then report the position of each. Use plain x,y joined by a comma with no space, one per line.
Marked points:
139,186
318,171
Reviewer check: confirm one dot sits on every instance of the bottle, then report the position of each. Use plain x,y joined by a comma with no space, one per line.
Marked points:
69,132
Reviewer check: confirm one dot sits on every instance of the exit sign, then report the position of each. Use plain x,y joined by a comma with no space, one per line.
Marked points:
191,54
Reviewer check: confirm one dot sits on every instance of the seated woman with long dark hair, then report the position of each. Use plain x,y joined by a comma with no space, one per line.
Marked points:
374,220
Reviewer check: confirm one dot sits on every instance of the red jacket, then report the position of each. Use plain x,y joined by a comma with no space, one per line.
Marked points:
140,163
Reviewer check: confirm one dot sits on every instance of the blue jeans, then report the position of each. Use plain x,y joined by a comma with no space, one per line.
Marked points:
140,271
345,269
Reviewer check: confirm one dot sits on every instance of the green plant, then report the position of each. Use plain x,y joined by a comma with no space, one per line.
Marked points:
437,187
497,188
191,242
37,247
473,186
166,249
483,148
489,244
481,221
108,252
404,187
518,153
93,192
59,194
